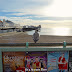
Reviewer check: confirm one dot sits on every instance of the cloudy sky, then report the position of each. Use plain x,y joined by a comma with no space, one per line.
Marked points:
48,13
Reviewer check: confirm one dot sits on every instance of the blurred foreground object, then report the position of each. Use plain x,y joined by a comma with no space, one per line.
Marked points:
36,36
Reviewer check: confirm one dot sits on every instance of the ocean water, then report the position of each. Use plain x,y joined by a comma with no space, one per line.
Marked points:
3,31
6,31
53,31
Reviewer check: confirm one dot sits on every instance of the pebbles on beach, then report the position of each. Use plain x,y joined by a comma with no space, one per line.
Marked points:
22,37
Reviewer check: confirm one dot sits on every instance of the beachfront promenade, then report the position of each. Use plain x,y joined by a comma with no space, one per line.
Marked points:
22,37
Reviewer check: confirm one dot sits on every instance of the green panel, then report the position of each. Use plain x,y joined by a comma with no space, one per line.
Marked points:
27,44
33,49
1,68
64,44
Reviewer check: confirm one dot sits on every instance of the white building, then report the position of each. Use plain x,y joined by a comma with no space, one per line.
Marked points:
8,23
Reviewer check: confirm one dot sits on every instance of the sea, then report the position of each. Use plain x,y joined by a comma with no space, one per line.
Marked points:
6,31
53,31
49,31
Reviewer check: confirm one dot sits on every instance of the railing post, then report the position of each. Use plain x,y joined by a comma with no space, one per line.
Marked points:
64,44
27,44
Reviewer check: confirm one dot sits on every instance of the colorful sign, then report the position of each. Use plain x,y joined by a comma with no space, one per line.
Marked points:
36,61
24,61
13,61
57,62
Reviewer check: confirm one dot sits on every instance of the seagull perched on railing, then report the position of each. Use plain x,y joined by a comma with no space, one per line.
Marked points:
36,36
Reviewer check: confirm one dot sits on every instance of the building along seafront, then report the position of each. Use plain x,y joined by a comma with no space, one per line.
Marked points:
7,26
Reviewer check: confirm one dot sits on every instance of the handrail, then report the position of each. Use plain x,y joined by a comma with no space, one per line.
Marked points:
37,44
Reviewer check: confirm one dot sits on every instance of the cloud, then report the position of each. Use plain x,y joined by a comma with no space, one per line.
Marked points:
57,8
3,17
51,13
24,4
44,23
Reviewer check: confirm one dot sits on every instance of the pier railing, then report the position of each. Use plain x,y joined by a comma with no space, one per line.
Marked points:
36,44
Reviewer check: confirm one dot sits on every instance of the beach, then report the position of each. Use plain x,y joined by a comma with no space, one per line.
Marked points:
23,37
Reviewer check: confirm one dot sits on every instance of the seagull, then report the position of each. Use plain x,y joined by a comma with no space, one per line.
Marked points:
36,36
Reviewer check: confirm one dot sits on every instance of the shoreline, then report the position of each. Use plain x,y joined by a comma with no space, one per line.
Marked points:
55,36
31,35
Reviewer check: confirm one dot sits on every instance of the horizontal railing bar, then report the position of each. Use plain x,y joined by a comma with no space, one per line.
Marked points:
35,44
12,44
45,44
69,44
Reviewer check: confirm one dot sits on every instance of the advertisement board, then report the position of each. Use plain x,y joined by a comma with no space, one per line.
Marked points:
36,61
57,62
13,61
24,61
70,61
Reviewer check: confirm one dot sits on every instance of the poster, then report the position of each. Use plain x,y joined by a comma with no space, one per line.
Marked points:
24,61
36,61
70,61
13,61
57,62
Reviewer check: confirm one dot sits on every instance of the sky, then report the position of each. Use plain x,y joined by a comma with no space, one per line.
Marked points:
47,13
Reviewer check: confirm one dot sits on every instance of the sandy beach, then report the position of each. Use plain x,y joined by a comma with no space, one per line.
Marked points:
22,37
